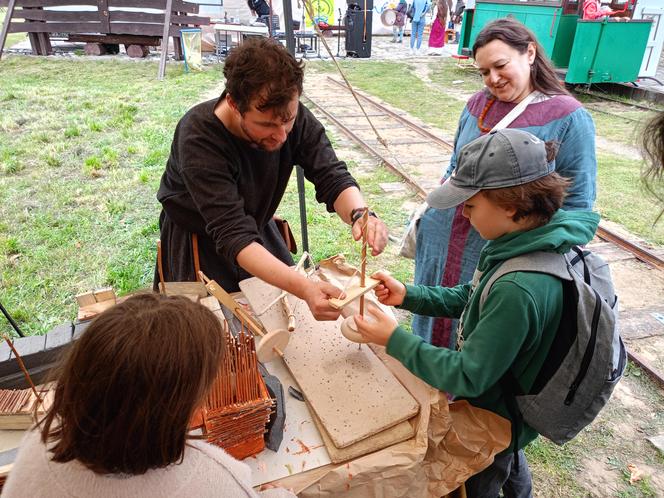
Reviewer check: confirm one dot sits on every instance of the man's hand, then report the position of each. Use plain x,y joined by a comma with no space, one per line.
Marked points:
317,298
390,291
377,329
376,234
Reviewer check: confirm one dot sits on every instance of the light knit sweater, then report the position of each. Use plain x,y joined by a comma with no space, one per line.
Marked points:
206,471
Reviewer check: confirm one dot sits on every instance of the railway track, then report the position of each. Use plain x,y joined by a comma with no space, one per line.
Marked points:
405,166
612,102
413,152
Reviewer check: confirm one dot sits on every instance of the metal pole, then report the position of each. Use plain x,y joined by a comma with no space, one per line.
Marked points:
11,321
303,208
288,20
164,39
290,45
5,25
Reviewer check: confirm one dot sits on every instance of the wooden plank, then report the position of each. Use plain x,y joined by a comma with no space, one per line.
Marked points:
45,43
147,17
104,15
179,5
104,294
41,27
152,41
164,40
55,16
92,28
118,28
388,437
54,3
353,293
5,25
85,299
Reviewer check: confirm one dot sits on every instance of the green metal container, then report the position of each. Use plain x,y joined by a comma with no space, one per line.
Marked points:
553,29
607,51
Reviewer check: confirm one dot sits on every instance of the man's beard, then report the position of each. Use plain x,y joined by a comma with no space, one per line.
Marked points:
259,144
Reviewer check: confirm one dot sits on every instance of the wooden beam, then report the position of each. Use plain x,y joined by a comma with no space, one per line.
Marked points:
42,27
164,39
55,15
152,41
178,5
5,25
104,17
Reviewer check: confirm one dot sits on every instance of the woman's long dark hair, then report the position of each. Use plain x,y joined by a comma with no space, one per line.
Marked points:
653,153
128,387
516,35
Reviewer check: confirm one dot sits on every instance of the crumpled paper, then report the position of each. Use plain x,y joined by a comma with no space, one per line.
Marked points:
453,441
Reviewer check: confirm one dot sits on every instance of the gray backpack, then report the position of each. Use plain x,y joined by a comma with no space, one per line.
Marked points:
587,357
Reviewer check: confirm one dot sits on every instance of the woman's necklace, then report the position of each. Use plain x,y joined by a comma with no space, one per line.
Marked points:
480,121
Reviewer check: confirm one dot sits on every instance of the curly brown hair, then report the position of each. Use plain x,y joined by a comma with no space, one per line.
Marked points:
128,387
262,72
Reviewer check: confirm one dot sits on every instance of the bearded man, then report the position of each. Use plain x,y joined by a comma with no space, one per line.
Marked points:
230,163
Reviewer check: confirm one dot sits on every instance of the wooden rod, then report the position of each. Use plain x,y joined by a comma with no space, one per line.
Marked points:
363,272
25,371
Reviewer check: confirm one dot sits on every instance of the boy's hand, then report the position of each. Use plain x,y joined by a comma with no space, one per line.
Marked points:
378,329
390,291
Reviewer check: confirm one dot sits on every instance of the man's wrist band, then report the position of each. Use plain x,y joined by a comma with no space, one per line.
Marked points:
357,213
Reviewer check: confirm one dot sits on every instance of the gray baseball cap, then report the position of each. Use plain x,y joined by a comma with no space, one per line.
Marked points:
501,158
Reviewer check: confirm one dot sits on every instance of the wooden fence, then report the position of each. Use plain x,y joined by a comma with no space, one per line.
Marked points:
132,22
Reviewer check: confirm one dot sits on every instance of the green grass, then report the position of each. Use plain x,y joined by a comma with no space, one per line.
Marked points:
620,197
83,145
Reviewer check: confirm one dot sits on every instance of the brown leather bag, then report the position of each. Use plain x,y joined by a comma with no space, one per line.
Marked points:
286,233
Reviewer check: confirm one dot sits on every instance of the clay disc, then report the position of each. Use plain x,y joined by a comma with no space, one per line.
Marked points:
349,331
265,351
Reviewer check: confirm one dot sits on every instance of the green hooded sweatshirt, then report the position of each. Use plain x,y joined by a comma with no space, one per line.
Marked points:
515,329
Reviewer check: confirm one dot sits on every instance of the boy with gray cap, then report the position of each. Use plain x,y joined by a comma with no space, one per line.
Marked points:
512,197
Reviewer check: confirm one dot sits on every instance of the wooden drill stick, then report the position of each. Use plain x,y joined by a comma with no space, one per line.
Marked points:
289,313
363,271
25,371
160,269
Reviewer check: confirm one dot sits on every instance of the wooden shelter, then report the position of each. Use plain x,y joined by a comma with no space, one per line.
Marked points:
137,24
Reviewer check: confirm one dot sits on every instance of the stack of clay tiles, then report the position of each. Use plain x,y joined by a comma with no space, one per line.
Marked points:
238,406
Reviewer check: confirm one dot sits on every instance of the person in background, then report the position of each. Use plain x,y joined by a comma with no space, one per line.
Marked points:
513,65
507,187
437,35
419,8
457,16
400,22
125,394
258,8
653,152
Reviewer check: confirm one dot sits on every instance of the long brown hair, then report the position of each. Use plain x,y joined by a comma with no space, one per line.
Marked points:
129,385
653,153
516,35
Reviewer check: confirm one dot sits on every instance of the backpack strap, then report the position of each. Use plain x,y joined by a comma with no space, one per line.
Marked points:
540,262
